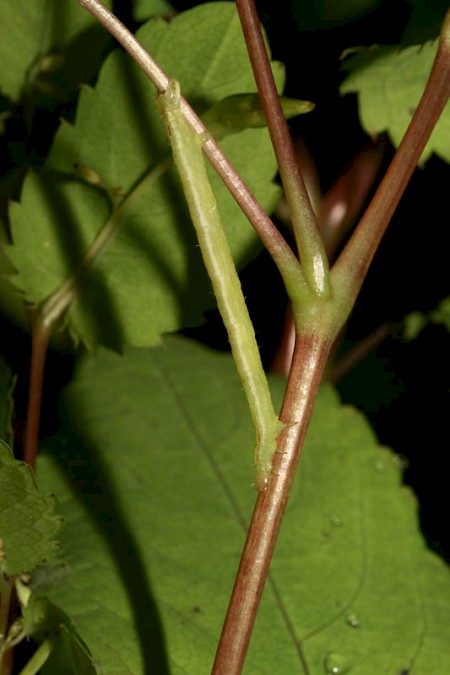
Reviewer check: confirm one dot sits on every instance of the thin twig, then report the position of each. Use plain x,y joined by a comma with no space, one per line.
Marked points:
358,353
276,245
40,336
309,360
309,242
6,596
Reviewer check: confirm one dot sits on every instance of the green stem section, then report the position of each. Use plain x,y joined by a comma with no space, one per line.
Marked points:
186,147
309,243
40,656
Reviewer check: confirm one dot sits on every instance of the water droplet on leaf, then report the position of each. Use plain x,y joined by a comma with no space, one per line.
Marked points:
336,521
353,620
335,664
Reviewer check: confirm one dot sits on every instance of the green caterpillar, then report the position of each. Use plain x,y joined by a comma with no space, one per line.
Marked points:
188,157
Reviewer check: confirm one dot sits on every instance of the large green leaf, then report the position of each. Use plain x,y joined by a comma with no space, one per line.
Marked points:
389,84
29,522
30,31
150,280
153,470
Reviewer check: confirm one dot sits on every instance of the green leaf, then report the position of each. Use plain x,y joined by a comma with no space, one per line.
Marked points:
69,654
31,31
441,315
29,523
414,323
154,476
243,111
150,278
389,84
144,9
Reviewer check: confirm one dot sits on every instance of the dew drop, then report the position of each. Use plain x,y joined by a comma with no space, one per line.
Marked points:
335,664
352,620
336,521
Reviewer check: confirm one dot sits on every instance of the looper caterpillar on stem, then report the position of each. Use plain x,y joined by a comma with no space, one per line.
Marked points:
188,157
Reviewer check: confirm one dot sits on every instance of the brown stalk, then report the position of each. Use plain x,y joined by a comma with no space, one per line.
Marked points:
309,243
40,337
308,363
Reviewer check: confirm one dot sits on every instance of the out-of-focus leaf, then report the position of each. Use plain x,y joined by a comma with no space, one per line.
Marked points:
389,83
441,315
153,468
144,9
415,322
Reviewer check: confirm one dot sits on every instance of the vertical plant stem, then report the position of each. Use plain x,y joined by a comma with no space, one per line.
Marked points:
309,360
7,663
40,336
5,610
309,243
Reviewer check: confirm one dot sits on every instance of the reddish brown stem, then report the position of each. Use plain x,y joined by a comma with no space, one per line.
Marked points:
8,662
6,594
309,243
308,363
40,336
